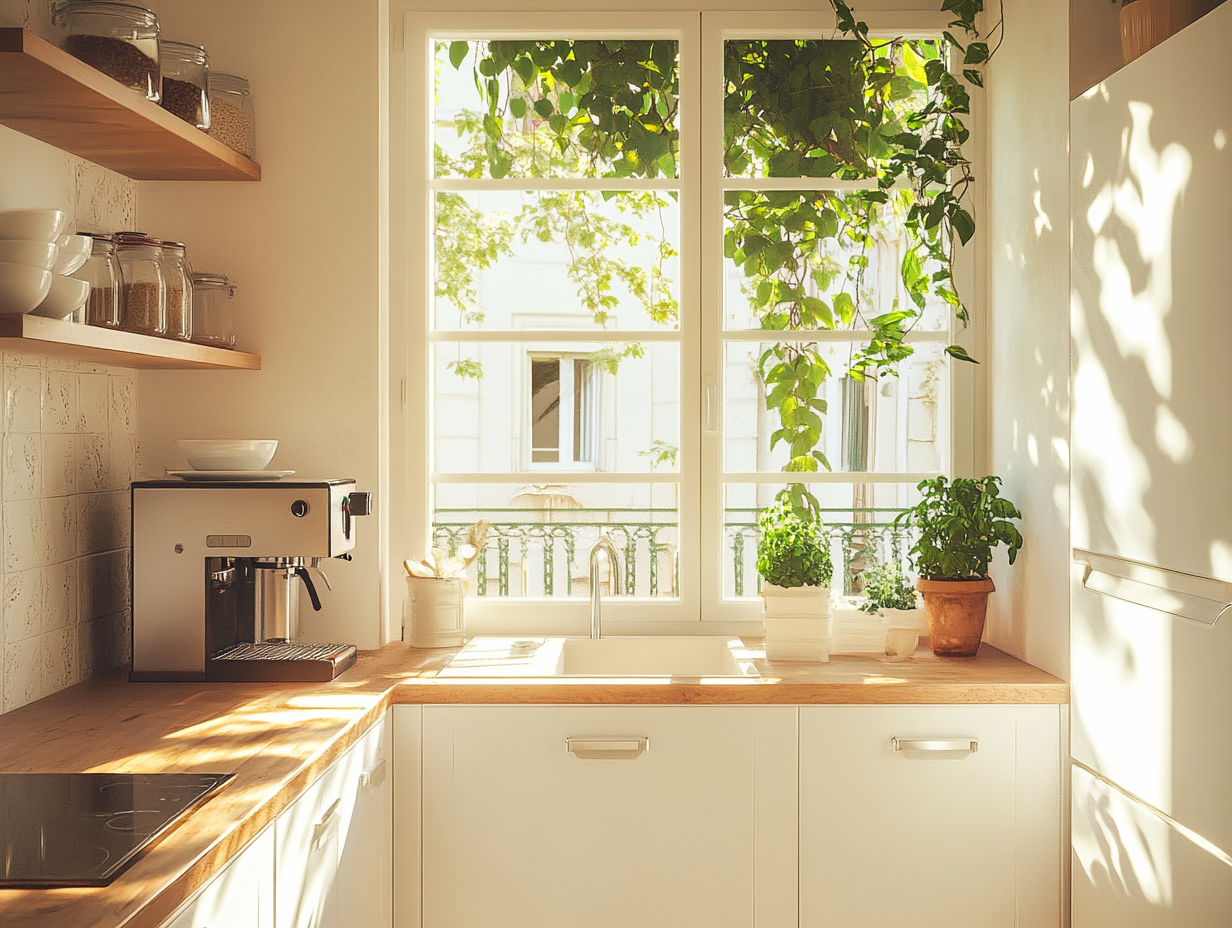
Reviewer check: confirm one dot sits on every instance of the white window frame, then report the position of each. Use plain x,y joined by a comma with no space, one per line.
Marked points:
566,433
701,606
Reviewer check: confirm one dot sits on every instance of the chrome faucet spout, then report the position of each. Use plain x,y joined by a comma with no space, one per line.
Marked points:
605,546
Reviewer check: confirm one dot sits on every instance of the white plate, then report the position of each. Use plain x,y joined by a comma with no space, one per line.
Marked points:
230,474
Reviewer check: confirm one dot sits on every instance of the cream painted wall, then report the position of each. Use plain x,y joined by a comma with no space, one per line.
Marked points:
1027,223
304,245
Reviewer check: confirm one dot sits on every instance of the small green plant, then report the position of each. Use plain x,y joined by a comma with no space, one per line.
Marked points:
886,588
793,550
960,523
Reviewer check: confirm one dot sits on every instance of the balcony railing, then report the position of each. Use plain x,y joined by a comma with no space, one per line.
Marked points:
542,552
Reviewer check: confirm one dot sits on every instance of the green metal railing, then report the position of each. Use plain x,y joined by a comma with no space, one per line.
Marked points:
559,540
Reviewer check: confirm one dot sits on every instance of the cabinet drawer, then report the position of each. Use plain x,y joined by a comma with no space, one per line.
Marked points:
240,896
311,835
917,835
609,816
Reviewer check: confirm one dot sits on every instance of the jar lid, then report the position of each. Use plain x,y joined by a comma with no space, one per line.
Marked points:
183,51
134,238
210,280
99,236
179,245
229,83
125,11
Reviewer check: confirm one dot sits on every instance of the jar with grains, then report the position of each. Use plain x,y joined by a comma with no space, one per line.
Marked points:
116,38
213,310
179,291
231,114
103,275
185,74
143,301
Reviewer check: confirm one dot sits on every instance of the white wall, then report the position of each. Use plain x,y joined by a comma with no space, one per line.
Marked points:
1027,226
305,246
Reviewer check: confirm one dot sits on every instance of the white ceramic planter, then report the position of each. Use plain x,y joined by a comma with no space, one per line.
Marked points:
433,612
797,623
795,602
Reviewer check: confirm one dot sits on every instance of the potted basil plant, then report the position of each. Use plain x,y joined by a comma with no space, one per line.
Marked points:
960,523
793,558
890,596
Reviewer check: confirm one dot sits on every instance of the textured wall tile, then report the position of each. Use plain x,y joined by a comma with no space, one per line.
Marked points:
23,673
102,522
123,470
22,526
124,403
23,605
105,201
59,659
93,402
59,529
22,399
21,475
103,644
102,585
59,401
93,463
60,596
59,465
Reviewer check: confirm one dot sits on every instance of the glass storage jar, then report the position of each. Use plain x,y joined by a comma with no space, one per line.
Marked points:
213,310
103,275
185,75
178,279
143,301
116,38
231,114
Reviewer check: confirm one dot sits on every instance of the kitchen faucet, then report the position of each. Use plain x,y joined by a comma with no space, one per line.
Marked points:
604,545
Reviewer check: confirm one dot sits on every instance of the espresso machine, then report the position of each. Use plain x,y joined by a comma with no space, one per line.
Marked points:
217,572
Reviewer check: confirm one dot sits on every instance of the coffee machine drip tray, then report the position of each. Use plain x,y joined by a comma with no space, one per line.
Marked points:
280,662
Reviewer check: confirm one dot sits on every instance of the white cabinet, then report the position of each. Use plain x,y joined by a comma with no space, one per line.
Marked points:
608,816
240,896
952,838
334,844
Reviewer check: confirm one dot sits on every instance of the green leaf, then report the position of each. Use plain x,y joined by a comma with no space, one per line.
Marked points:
959,352
525,69
457,53
845,307
517,107
544,108
963,224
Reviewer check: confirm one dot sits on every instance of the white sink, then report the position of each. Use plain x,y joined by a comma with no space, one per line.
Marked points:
658,656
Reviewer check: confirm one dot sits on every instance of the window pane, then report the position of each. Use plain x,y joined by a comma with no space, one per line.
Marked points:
883,424
799,108
557,108
541,536
502,407
556,259
784,268
859,519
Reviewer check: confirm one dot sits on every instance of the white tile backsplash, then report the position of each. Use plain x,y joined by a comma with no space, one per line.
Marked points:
68,452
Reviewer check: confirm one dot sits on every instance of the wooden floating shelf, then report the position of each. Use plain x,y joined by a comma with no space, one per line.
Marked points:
56,338
48,94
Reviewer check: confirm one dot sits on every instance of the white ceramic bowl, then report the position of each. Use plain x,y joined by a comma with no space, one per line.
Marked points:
228,453
32,254
34,225
22,287
65,297
74,250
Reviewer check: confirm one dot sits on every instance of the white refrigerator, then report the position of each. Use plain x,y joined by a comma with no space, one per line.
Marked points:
1151,502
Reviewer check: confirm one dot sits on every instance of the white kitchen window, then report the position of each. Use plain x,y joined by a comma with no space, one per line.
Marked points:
593,356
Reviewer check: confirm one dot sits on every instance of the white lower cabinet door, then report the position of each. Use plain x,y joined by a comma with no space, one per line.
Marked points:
922,836
240,896
554,816
333,845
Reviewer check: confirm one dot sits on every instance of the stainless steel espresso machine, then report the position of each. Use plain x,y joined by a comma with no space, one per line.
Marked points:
217,569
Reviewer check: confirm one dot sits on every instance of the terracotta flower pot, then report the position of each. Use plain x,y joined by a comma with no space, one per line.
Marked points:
1146,23
956,611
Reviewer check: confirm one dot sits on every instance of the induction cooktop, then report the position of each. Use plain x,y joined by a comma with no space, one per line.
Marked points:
85,829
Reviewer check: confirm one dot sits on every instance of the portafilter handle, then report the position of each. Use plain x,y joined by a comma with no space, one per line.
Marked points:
315,564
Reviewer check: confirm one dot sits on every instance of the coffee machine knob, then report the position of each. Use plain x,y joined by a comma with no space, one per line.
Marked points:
299,508
360,504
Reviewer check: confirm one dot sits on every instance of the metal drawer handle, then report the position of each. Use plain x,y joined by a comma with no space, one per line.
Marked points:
321,830
607,748
937,746
371,779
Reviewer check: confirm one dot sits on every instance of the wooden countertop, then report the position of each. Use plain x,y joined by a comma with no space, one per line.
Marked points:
278,738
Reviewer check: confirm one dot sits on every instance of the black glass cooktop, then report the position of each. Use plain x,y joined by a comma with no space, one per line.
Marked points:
85,829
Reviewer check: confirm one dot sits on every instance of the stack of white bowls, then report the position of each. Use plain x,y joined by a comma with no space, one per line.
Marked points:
36,255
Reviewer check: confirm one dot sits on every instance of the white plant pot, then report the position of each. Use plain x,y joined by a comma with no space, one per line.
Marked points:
797,623
434,612
903,618
796,601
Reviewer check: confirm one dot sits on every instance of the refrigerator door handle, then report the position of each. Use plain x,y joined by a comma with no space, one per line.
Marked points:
1187,596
